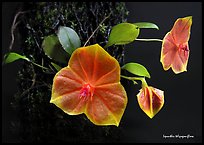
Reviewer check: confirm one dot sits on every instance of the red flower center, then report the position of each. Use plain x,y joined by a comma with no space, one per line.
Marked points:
183,47
86,91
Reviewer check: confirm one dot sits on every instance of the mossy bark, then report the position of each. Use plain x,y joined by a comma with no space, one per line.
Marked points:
40,121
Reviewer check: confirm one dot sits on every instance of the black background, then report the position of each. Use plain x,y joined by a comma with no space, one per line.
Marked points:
182,111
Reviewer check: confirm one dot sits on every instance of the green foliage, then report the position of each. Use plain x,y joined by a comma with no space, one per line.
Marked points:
57,67
11,57
69,39
123,33
136,69
54,50
33,107
146,25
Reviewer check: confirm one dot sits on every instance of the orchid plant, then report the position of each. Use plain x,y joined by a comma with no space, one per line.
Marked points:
90,84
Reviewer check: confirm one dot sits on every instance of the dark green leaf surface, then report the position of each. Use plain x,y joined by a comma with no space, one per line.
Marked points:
68,39
54,50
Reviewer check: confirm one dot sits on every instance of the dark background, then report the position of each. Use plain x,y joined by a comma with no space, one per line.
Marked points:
182,111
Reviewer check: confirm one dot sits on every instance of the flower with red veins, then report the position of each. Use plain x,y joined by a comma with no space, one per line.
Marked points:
150,100
175,48
90,84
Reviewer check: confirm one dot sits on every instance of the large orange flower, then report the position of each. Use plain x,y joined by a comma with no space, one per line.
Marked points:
90,84
175,48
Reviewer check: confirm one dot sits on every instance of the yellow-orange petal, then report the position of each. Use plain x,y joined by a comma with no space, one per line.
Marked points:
65,81
107,105
65,91
180,61
181,29
95,65
150,100
168,51
70,103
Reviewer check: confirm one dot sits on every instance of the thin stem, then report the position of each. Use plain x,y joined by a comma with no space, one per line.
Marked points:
34,79
39,65
149,40
144,83
34,87
96,29
43,83
14,25
142,79
132,78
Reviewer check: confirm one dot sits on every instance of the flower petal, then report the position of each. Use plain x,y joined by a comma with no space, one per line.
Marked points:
150,100
107,105
66,90
144,101
181,29
91,85
157,100
169,49
95,65
180,61
71,103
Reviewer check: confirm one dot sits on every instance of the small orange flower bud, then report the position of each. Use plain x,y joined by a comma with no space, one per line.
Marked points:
150,100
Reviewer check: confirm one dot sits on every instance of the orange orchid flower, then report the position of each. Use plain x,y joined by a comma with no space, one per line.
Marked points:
90,84
150,100
175,48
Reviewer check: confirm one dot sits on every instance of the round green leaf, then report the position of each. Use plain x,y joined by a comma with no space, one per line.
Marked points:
136,69
54,50
10,57
146,25
123,33
68,39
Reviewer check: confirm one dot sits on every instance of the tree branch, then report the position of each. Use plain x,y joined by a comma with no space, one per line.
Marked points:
96,29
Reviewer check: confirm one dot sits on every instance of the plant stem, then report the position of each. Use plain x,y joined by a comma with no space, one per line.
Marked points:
142,79
132,78
149,40
14,25
39,65
96,29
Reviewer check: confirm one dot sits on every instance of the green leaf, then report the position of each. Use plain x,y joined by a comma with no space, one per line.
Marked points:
11,57
57,67
54,50
123,33
136,69
146,25
68,39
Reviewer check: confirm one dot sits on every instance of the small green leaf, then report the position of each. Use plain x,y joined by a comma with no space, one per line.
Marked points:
57,67
136,69
68,39
146,25
123,33
11,57
53,49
